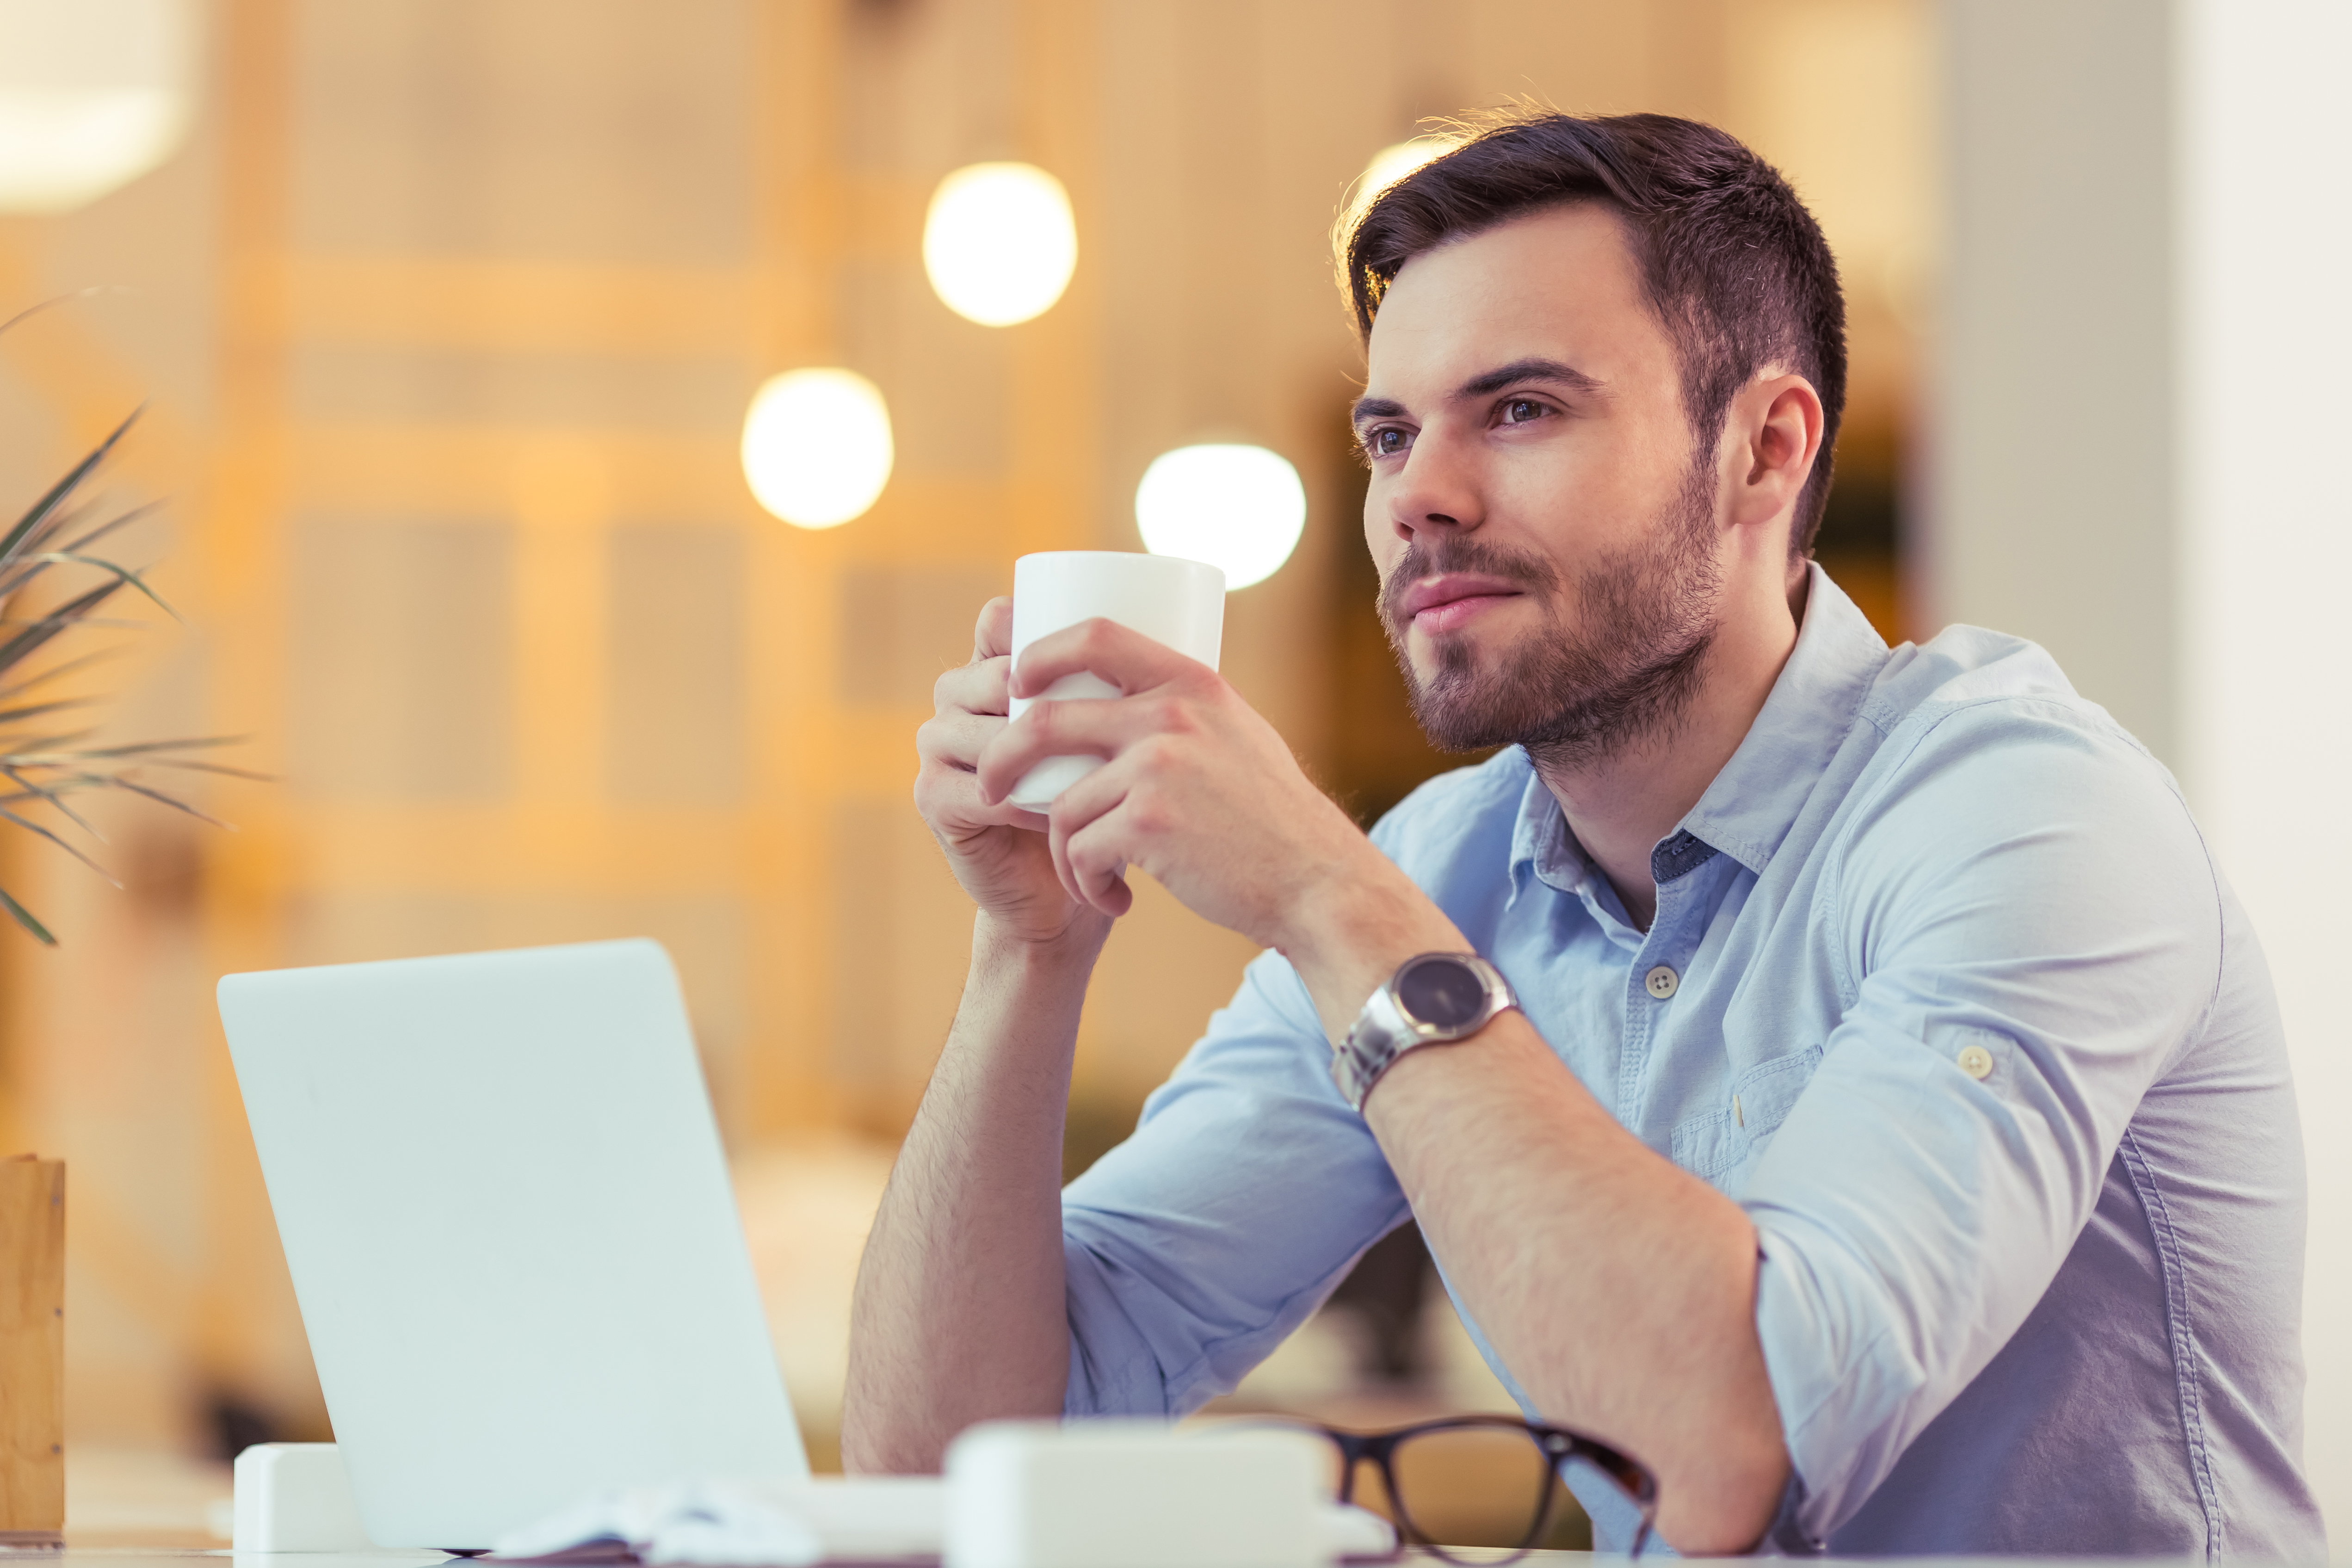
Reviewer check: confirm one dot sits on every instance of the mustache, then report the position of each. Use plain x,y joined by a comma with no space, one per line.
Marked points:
1453,553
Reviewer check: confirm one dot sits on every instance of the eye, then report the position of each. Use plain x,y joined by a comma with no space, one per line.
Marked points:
1386,441
1523,410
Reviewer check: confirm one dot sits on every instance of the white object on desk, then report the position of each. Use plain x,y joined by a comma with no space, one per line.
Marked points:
1142,1494
749,1524
792,1523
1180,604
508,1217
294,1497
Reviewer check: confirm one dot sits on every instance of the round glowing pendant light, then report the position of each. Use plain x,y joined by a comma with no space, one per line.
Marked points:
999,242
1238,508
816,447
93,94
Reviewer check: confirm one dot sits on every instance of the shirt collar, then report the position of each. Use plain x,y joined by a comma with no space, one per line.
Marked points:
1751,805
1541,845
1753,802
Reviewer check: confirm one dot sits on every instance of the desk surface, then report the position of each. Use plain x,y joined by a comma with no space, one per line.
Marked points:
187,1556
190,1557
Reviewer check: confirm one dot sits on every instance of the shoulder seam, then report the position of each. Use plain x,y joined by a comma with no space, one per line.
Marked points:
1932,717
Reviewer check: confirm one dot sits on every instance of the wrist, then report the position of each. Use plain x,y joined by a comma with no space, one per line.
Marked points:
997,945
1348,930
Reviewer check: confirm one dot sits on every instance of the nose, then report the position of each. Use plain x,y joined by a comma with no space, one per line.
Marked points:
1434,491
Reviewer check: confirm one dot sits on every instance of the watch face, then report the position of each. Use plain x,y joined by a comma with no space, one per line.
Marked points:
1444,993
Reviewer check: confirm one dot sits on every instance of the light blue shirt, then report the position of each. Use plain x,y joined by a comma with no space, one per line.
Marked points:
1965,1018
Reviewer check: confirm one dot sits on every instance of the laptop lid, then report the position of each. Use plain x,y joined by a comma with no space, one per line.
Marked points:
507,1214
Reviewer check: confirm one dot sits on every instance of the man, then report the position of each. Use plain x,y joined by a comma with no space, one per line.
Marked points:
1891,1141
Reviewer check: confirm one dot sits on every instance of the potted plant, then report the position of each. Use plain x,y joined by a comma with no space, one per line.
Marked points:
48,556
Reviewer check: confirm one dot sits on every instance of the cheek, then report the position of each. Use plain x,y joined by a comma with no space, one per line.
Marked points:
1582,495
1379,539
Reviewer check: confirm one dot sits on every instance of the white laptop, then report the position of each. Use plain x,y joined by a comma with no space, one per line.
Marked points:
508,1217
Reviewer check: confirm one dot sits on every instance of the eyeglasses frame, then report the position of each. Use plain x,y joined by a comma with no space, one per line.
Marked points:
1558,1444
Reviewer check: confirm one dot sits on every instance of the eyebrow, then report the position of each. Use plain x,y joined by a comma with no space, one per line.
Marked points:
1485,384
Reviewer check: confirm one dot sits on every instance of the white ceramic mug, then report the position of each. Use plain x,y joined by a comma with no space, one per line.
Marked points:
1177,603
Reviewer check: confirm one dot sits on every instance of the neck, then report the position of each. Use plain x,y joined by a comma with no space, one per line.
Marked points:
1618,805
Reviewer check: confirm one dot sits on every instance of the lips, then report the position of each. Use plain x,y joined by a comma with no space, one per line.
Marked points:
1446,603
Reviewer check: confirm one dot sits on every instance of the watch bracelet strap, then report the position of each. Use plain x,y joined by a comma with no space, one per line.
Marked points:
1381,1033
1360,1061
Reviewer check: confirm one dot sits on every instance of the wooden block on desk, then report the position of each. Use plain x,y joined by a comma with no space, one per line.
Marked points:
32,1349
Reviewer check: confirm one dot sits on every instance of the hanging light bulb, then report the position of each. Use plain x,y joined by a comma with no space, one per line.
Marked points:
999,242
816,447
93,94
1240,508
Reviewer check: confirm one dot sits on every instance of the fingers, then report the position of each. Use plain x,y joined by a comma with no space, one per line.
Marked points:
1127,659
956,738
1086,838
992,637
947,785
950,800
1077,727
979,686
1100,827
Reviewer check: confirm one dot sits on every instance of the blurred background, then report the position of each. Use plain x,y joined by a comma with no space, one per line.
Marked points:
451,316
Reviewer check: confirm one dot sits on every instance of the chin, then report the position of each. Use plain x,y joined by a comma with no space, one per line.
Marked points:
1450,653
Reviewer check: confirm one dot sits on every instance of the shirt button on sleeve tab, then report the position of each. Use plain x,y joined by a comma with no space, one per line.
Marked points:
1975,1061
1661,983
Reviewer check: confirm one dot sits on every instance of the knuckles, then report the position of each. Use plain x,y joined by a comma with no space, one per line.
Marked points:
1044,721
976,688
1096,637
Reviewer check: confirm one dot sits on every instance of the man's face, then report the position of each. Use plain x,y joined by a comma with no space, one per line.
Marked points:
1543,522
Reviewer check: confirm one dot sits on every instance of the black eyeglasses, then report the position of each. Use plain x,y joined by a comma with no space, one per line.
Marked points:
1487,1482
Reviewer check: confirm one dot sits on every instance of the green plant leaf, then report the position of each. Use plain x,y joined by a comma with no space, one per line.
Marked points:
193,766
27,567
124,575
42,508
15,649
146,747
24,917
83,661
11,715
172,801
55,796
29,826
103,528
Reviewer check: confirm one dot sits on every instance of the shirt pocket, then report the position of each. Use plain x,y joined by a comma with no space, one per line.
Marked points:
1761,1099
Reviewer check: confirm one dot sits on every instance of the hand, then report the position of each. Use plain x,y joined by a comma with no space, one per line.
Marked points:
998,852
1199,790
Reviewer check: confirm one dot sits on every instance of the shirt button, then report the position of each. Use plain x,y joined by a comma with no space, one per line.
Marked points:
1662,982
1975,1061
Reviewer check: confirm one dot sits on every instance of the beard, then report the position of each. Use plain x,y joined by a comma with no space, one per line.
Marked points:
1573,692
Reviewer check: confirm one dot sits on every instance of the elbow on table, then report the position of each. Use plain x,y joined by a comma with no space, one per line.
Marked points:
881,1448
1721,1497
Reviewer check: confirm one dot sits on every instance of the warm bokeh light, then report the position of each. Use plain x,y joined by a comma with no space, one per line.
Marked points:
93,95
816,447
1393,164
1240,508
1000,243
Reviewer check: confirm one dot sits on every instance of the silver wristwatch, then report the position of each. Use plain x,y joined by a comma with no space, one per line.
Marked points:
1430,1000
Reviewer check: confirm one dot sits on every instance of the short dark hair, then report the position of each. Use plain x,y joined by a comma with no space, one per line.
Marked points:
1734,264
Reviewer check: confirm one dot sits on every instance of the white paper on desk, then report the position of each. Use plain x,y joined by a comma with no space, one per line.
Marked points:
791,1524
753,1524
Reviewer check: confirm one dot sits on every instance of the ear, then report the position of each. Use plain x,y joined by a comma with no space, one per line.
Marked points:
1777,424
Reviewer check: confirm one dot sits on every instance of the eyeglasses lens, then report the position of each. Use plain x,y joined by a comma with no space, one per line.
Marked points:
1485,1486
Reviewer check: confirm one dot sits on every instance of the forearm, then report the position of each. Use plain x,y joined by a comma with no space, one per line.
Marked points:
959,1314
1620,1289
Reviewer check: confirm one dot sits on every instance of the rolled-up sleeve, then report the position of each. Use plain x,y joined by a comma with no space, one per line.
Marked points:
2030,930
1246,1193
